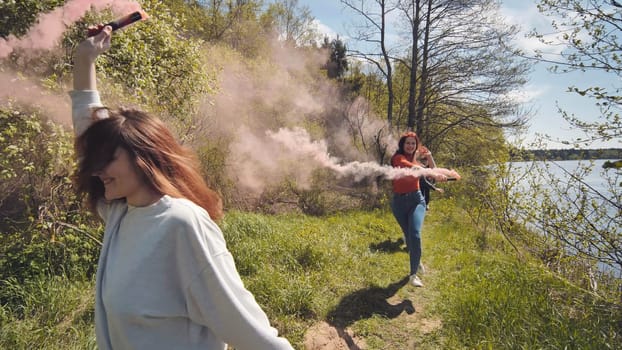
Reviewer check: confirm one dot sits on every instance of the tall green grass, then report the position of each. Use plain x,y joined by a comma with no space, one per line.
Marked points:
349,270
47,313
299,268
490,298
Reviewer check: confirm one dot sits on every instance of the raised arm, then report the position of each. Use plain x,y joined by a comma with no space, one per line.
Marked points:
424,153
84,97
84,59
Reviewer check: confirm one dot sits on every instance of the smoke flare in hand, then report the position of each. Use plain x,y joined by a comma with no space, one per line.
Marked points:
120,22
298,140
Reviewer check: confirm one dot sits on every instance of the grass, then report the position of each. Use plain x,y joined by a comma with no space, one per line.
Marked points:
47,313
489,299
313,268
349,270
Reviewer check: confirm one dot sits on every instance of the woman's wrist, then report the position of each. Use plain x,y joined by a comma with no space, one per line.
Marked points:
84,56
84,76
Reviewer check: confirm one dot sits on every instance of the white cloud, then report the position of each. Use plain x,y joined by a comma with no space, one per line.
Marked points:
526,16
529,93
324,30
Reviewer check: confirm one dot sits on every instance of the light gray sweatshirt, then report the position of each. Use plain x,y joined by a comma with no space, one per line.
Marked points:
166,279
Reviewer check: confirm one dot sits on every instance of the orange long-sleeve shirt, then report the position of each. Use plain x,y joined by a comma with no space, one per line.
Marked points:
404,184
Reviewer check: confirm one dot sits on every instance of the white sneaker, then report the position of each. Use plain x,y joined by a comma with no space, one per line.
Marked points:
421,269
415,281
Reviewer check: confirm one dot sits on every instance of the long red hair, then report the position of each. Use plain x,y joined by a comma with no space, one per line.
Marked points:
168,167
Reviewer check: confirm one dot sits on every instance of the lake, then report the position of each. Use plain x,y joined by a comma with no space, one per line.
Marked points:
605,182
600,186
593,178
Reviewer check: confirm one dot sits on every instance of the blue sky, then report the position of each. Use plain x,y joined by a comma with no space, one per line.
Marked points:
545,90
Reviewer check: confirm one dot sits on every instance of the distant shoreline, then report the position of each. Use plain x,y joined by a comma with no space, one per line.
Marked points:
567,154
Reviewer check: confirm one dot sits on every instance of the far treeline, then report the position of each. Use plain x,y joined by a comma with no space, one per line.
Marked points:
569,154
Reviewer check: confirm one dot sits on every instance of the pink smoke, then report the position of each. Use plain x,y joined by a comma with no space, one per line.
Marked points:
299,142
49,27
21,90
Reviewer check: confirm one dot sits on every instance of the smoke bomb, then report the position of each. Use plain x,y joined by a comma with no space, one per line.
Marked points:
120,22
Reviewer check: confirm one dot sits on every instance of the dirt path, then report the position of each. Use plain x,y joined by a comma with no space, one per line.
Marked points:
405,312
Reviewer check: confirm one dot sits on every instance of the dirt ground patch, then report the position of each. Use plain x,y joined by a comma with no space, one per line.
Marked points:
405,313
323,336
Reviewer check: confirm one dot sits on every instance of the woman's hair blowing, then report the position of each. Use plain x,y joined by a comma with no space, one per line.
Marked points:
168,167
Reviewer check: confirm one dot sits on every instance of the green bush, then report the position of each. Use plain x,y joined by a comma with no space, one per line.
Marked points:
44,229
150,64
34,166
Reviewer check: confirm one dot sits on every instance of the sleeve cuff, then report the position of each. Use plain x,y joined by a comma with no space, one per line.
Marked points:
82,104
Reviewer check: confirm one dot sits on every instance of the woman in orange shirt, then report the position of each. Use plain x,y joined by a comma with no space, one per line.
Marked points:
408,204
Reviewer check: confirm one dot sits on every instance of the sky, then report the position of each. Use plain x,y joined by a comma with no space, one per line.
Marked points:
542,95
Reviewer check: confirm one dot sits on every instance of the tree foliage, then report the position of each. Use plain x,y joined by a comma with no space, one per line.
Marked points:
337,64
19,15
291,22
590,34
232,23
372,32
577,221
465,68
452,68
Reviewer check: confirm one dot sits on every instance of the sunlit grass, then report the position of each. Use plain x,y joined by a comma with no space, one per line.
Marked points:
493,300
303,266
48,313
349,270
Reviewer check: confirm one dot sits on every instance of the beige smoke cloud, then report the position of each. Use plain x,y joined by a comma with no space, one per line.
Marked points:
263,95
21,90
298,140
271,108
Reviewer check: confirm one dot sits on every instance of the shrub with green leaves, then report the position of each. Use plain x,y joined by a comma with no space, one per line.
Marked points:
35,165
18,16
151,64
44,228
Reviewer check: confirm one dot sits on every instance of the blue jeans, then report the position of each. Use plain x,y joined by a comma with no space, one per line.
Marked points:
409,211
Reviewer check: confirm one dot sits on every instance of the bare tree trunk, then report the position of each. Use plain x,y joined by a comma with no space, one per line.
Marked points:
423,85
415,22
374,31
387,63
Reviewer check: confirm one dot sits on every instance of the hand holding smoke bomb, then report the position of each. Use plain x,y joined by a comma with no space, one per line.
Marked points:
119,22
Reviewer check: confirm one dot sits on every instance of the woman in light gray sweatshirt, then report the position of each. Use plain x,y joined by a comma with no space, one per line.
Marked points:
165,278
